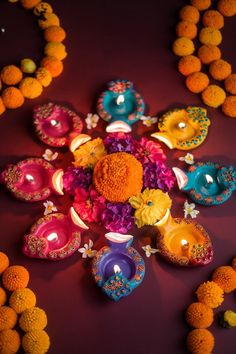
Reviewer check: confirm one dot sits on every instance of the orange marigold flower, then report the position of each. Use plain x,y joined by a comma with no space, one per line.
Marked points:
8,318
186,29
220,69
22,299
201,4
210,294
55,49
3,296
54,34
29,4
118,176
89,153
198,315
33,318
30,87
225,277
213,18
200,341
4,262
9,341
213,96
230,84
234,263
11,75
227,7
189,13
15,277
43,8
2,107
49,20
189,64
208,53
209,35
53,65
197,82
36,342
12,98
183,46
43,76
229,106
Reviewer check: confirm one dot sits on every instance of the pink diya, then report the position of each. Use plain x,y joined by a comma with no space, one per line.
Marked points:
33,179
56,125
54,237
183,242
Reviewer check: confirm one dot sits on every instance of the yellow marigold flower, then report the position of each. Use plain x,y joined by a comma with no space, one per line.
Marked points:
186,29
43,8
200,341
198,315
3,296
33,318
55,49
229,106
89,153
213,96
43,76
54,34
225,277
29,4
220,69
197,82
201,4
53,65
11,75
183,46
118,176
9,341
230,84
15,277
229,319
4,262
2,106
8,318
227,7
49,20
150,205
209,35
30,87
189,64
12,97
36,342
189,13
28,66
210,294
213,18
208,53
22,299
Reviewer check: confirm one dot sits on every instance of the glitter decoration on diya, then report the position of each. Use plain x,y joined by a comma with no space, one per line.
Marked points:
207,183
119,268
183,129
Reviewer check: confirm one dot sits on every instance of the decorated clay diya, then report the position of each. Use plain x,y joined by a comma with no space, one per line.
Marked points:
54,237
207,183
121,105
33,179
56,125
183,129
119,268
183,242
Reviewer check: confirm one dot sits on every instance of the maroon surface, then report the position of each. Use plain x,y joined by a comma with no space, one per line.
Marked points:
106,40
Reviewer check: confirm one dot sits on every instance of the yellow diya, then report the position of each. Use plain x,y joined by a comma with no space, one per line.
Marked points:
183,129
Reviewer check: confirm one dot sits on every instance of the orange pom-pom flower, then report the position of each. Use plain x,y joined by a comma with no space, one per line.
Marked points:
15,277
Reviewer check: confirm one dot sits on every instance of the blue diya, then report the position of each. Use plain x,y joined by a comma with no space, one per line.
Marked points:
119,268
121,105
207,183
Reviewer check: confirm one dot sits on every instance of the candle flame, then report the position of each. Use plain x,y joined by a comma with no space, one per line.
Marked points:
181,125
54,122
29,178
52,237
184,242
120,99
209,179
116,269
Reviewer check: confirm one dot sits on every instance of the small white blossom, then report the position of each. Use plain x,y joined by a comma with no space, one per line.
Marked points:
189,159
189,209
148,121
92,120
87,250
49,207
148,250
49,155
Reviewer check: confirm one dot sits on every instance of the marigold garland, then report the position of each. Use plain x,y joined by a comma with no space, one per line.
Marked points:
12,76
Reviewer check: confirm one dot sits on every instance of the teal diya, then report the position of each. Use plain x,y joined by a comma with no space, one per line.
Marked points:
207,183
118,268
120,105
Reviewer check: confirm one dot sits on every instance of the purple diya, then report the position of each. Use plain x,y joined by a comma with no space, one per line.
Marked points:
54,237
56,125
183,242
33,179
119,268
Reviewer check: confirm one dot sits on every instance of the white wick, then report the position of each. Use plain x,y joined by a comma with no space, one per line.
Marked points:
55,123
116,269
209,179
181,125
120,99
52,237
29,178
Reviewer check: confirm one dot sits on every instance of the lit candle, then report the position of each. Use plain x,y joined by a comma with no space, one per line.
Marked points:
185,247
52,237
182,125
55,123
120,99
209,179
117,269
29,178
